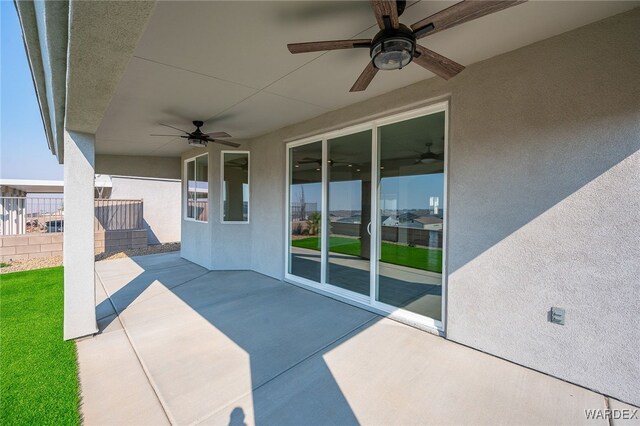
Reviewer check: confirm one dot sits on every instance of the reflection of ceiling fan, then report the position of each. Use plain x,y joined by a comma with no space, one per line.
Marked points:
429,157
238,163
319,162
197,138
394,46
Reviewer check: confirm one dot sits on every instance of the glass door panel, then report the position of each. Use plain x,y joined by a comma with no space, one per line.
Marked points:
305,206
411,215
349,212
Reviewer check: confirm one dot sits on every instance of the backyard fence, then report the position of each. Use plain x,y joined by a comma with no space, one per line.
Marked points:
118,215
198,210
21,215
27,215
393,234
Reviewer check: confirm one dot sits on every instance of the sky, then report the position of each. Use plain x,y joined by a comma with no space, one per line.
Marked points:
24,153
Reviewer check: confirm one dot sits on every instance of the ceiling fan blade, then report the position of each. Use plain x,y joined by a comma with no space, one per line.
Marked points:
174,128
174,136
228,143
459,13
386,12
218,135
317,46
365,78
436,63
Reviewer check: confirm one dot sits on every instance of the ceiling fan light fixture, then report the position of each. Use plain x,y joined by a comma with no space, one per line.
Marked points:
428,160
197,142
393,54
393,49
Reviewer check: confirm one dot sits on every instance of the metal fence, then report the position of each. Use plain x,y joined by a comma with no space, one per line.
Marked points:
118,215
22,215
26,215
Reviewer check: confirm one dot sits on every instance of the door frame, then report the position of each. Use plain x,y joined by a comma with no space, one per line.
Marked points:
370,302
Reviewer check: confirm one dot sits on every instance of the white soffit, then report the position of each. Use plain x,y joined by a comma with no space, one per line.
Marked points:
227,63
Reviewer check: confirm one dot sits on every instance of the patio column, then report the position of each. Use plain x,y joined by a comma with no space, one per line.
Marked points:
79,276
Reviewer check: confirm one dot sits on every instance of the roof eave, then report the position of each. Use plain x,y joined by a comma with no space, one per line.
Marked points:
28,23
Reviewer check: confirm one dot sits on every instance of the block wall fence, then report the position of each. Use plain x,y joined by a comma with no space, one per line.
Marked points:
20,247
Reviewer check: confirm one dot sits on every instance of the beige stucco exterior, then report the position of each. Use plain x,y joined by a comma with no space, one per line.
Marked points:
543,201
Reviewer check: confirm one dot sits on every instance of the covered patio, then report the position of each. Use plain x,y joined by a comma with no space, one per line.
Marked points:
183,345
521,174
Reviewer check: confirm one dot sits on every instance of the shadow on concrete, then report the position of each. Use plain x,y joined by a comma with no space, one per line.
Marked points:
280,326
237,417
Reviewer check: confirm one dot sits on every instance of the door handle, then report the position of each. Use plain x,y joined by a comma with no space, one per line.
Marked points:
369,228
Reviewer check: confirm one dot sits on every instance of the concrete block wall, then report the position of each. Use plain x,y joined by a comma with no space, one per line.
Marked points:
108,241
21,247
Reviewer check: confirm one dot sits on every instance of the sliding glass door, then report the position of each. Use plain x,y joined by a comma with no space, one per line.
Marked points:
349,212
305,211
367,214
411,215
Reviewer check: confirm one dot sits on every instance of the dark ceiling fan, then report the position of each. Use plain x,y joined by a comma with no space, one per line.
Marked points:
319,162
198,138
429,156
238,163
394,47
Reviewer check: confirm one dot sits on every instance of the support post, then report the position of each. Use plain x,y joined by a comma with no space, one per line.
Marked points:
79,269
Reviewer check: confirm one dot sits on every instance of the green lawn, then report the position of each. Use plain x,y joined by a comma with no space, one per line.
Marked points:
397,254
38,373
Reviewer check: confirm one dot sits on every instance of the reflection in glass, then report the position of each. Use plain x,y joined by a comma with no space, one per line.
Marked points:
411,214
198,188
305,205
202,188
235,191
191,189
349,195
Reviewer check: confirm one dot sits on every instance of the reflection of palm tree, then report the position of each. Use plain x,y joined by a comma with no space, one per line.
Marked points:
314,223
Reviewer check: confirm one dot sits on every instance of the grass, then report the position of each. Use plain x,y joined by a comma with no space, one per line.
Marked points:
38,373
397,254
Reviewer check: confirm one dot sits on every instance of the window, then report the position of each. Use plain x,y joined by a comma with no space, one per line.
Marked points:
235,187
197,203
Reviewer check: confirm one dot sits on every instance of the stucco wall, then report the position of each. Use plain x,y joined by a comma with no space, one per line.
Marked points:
132,165
161,204
544,201
215,245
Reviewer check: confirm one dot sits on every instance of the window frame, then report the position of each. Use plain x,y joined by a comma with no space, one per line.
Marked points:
235,222
186,187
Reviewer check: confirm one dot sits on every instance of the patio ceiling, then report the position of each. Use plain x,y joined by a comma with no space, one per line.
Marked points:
227,63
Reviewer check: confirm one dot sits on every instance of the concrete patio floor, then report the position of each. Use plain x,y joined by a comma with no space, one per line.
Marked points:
179,344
